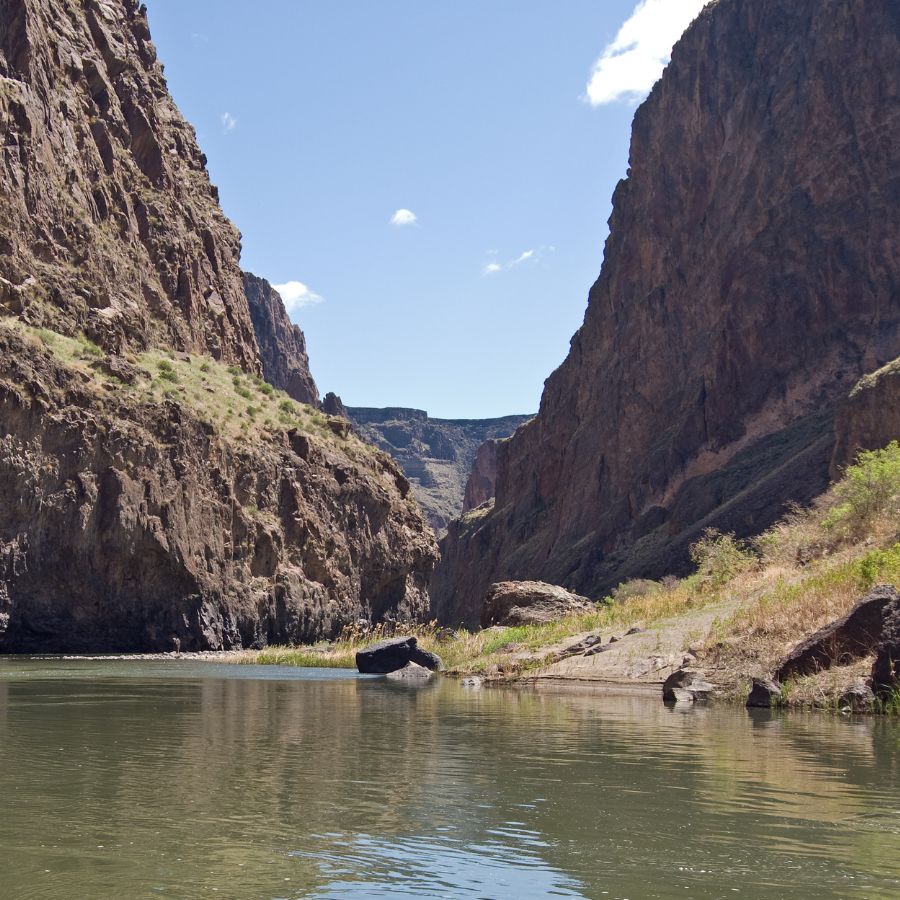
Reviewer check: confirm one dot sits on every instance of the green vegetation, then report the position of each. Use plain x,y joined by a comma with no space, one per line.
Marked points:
216,393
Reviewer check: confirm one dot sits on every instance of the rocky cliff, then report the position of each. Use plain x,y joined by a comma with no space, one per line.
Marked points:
481,485
869,418
108,223
436,454
750,278
155,492
282,346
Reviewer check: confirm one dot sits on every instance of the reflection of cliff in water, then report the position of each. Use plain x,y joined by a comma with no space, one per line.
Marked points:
239,784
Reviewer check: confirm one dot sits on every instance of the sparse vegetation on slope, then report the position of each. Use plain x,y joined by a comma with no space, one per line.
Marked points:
764,596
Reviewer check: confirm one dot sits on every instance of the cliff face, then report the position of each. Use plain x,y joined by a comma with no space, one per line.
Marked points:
482,483
751,276
869,418
152,496
435,454
108,222
135,516
282,346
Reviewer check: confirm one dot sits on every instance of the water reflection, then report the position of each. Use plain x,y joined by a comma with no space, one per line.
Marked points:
191,780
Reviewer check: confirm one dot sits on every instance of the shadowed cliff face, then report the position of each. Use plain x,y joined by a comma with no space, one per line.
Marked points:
108,221
282,346
141,509
750,278
436,455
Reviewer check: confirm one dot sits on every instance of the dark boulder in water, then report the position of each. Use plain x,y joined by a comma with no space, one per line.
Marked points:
393,654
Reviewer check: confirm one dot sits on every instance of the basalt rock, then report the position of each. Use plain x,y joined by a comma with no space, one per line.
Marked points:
482,483
764,694
109,224
435,454
133,516
282,346
529,603
852,637
886,668
686,686
750,279
395,654
137,524
869,418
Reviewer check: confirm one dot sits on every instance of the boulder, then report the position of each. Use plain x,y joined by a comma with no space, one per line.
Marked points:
858,697
764,694
393,654
886,669
686,686
529,603
411,672
852,637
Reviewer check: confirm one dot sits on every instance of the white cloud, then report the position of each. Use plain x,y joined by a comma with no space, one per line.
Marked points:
630,66
229,122
404,217
493,267
296,295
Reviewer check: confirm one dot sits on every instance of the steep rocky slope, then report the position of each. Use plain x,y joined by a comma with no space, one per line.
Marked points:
750,278
435,454
282,346
108,223
155,492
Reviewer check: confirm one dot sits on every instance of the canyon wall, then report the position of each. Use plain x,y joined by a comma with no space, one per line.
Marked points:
155,493
436,455
282,346
750,278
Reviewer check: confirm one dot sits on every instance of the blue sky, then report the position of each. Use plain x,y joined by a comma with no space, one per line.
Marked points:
429,179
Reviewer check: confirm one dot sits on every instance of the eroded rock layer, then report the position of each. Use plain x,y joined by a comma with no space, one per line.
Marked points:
751,276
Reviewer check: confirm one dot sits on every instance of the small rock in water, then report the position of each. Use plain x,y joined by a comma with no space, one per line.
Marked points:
411,671
393,654
858,697
686,686
764,694
473,681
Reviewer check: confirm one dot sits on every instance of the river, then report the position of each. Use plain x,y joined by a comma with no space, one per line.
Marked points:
182,779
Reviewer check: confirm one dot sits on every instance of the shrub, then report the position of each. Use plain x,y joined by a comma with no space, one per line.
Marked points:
635,587
167,371
233,370
205,367
719,557
870,488
266,388
286,406
252,411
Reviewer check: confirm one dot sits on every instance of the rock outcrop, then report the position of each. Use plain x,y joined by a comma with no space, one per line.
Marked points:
852,637
395,654
109,224
750,279
529,603
282,346
869,418
435,454
886,668
482,483
132,520
155,494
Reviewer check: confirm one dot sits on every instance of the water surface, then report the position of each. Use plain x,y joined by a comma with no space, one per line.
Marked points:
185,779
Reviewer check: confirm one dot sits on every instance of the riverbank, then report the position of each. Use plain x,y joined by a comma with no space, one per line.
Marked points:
744,608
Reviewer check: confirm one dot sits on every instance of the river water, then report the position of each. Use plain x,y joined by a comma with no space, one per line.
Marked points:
123,779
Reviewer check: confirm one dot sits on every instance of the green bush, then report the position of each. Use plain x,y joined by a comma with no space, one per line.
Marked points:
719,557
869,488
635,587
265,388
205,367
286,406
167,371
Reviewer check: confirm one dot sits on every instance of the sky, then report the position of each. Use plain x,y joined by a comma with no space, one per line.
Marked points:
427,182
